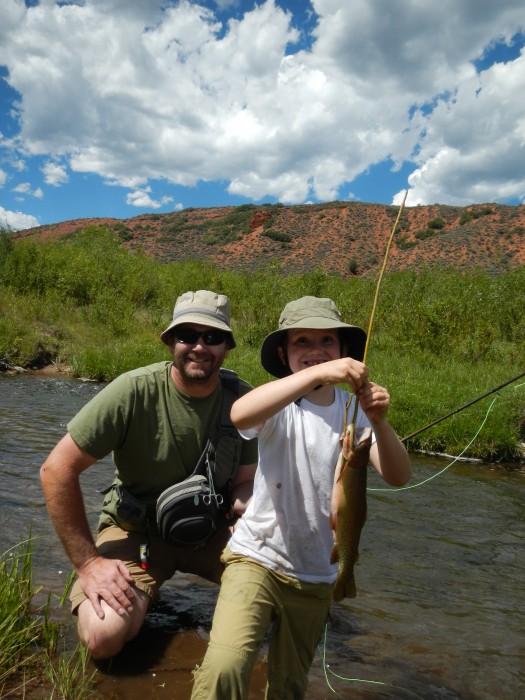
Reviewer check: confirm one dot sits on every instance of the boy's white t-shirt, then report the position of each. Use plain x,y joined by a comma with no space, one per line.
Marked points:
286,526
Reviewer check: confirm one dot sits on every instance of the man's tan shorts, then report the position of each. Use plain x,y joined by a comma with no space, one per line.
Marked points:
164,560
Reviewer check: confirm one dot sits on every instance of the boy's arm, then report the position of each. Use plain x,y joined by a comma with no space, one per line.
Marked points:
266,400
387,454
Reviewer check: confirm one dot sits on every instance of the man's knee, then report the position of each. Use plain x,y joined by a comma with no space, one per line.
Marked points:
106,637
99,644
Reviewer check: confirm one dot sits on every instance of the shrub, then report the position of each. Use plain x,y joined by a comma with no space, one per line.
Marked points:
436,223
426,233
277,235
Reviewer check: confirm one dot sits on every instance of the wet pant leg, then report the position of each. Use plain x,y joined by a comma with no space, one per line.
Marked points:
300,618
242,615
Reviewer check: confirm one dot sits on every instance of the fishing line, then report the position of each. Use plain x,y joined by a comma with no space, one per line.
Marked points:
461,408
434,476
327,670
326,666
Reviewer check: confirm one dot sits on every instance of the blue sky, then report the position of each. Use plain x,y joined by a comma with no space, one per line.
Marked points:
127,107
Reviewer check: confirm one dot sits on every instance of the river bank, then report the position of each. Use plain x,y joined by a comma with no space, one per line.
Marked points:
50,370
441,337
58,370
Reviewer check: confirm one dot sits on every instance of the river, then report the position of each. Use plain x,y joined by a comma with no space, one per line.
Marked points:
440,610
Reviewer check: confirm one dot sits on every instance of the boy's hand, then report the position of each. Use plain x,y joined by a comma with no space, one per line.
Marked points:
344,371
374,400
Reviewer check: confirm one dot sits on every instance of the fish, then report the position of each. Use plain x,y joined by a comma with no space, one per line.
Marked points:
348,506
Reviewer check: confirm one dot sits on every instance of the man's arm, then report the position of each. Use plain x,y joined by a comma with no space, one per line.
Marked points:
100,578
242,488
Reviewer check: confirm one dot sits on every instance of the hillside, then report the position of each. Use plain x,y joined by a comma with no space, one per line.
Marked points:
347,238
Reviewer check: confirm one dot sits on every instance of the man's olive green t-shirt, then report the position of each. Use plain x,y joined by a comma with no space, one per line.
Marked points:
155,432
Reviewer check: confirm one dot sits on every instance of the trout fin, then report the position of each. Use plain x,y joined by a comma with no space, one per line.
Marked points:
333,522
334,556
342,471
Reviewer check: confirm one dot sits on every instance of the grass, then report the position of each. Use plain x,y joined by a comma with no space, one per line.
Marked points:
30,640
440,338
70,676
20,631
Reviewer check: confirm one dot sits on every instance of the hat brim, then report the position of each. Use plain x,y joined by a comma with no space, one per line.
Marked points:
353,341
202,318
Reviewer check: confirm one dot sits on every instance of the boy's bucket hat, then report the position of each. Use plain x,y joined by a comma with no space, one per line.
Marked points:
310,312
202,307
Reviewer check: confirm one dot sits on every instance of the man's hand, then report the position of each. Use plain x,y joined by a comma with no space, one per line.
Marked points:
109,580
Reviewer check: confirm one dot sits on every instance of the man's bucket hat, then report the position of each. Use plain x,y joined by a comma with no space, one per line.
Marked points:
202,307
310,312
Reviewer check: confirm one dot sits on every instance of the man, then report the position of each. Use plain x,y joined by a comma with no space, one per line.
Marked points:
155,420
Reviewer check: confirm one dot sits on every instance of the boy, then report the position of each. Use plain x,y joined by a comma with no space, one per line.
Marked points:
278,560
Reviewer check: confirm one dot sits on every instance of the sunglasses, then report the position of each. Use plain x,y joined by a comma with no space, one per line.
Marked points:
189,336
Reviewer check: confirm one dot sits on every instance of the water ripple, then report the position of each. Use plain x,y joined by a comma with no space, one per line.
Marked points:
440,604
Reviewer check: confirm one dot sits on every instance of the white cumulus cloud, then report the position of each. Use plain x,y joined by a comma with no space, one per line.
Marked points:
141,198
25,188
16,220
54,174
142,91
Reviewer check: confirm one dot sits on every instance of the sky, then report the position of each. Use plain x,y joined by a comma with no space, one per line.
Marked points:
115,108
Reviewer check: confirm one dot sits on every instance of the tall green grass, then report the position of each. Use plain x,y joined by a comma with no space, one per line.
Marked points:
30,640
440,338
20,631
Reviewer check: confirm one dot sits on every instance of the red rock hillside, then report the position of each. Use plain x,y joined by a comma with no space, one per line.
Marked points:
346,238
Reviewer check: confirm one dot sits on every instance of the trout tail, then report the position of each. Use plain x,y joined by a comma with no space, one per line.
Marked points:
344,588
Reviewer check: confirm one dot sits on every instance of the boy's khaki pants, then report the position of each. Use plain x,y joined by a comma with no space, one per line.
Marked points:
251,599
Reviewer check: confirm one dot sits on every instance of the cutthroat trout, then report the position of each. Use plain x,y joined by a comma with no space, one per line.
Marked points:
348,511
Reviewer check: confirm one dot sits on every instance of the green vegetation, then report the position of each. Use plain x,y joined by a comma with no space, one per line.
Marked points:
436,223
279,236
217,230
424,233
433,228
471,214
440,338
353,266
29,641
403,242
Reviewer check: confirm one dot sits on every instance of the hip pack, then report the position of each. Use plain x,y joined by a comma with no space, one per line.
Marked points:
190,512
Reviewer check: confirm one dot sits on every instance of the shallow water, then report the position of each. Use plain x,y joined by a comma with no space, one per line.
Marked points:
440,605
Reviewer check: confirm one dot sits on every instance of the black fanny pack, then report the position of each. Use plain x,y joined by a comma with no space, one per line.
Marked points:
189,513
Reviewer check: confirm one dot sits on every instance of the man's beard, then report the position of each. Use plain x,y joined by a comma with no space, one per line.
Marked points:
192,368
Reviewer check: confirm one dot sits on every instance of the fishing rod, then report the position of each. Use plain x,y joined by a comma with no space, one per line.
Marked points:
374,305
461,408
